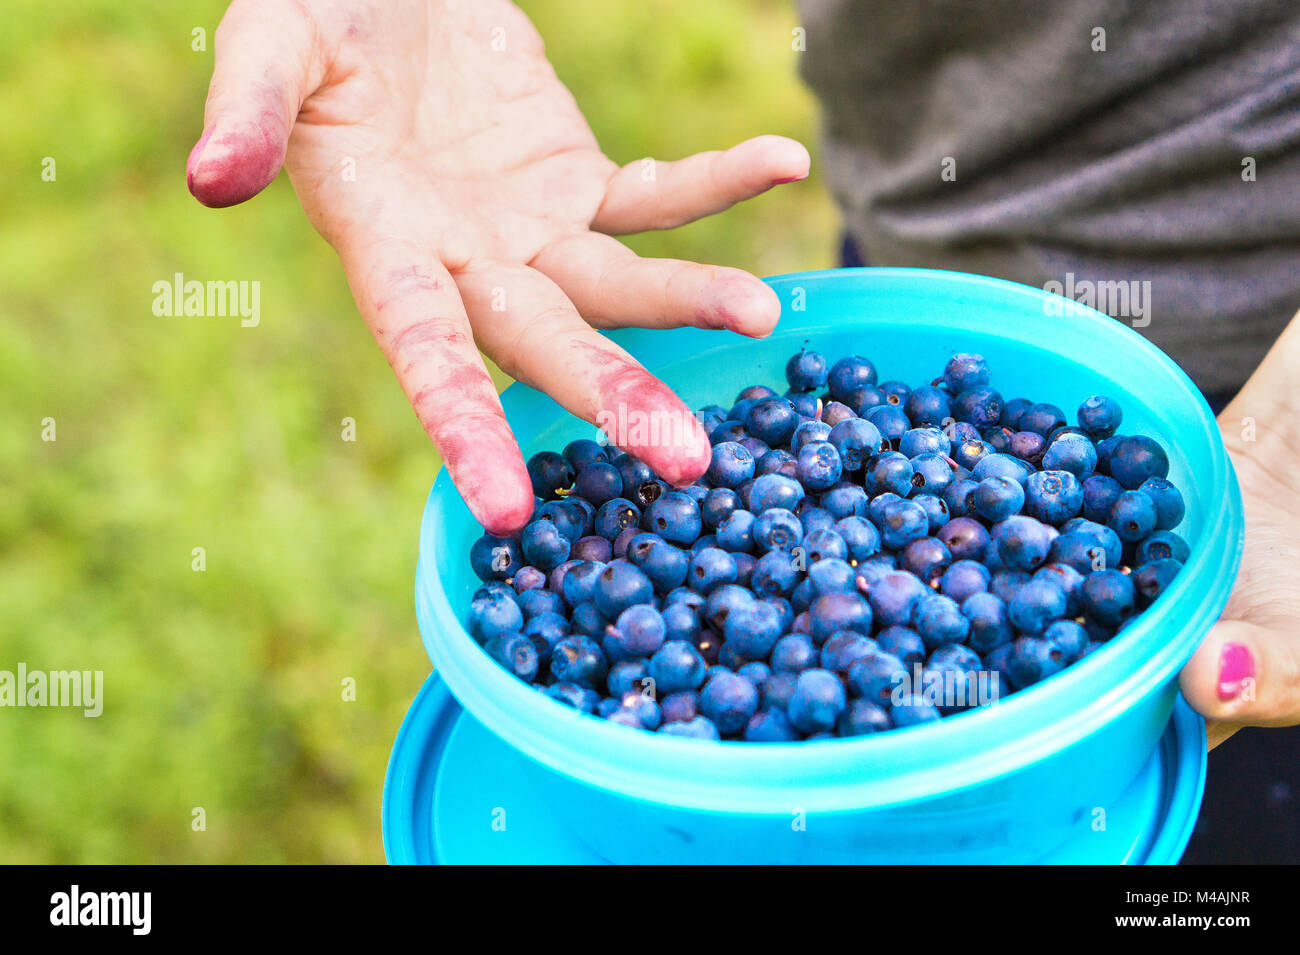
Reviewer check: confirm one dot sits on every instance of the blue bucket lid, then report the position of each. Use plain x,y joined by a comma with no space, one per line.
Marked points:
443,761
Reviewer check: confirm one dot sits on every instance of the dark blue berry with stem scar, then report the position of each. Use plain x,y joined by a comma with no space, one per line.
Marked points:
772,420
895,392
845,500
711,567
931,473
1022,542
1136,458
776,529
584,451
979,405
544,546
891,473
818,466
731,465
821,544
849,374
935,509
806,371
774,574
569,518
967,452
1027,445
873,677
665,565
717,506
579,660
1162,545
516,653
578,585
729,701
926,557
613,517
862,399
1168,501
817,702
618,587
1069,637
1033,659
495,558
735,533
1100,416
1152,579
756,673
627,677
890,420
1053,497
1133,516
549,473
960,497
675,517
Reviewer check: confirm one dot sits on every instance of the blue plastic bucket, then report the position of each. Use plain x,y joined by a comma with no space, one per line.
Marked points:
1013,782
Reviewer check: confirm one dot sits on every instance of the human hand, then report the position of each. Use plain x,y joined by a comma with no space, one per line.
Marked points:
432,145
1247,671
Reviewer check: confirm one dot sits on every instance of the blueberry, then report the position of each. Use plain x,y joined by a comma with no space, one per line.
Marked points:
959,496
1168,501
493,611
808,432
895,392
963,579
893,599
599,482
775,490
578,584
806,370
997,498
862,717
729,701
902,522
938,619
1087,551
818,545
1134,459
1071,452
1000,465
735,533
924,441
568,516
805,403
1042,418
912,710
1022,542
772,420
1068,637
680,707
587,620
675,517
965,371
722,602
1100,416
832,575
776,692
926,557
892,422
774,574
833,612
615,516
968,452
875,676
698,728
677,666
1028,446
495,558
755,672
718,505
618,587
979,405
1053,497
528,578
549,473
1069,580
902,642
581,698
1036,605
1033,659
637,711
776,529
849,374
845,500
661,562
1133,516
516,653
955,655
770,726
845,647
819,465
1161,545
989,625
927,406
1108,595
627,677
775,461
890,473
931,473
710,568
538,601
639,631
860,537
582,452
1151,579
579,660
752,629
730,465
817,701
593,548
833,412
815,520
794,653
965,537
1100,491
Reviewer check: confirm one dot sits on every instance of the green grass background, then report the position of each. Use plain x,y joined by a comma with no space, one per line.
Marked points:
223,688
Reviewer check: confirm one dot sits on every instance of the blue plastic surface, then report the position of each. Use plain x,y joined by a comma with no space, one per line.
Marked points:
455,794
1010,782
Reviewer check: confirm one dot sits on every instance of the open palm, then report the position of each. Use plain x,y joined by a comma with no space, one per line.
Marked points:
433,146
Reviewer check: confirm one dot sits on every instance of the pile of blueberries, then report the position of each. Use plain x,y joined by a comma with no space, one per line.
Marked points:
858,557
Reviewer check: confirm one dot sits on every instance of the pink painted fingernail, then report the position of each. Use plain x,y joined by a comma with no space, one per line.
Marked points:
194,153
1236,666
782,182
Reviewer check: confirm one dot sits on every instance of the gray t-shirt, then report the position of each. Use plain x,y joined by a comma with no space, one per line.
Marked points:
1013,138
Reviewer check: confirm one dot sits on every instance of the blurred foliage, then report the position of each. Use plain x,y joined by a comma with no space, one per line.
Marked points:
223,688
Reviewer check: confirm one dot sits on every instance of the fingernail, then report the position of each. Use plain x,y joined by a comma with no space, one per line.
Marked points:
782,182
1236,666
194,153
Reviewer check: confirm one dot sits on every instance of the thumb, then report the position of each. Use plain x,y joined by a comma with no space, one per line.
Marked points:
265,66
1245,674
